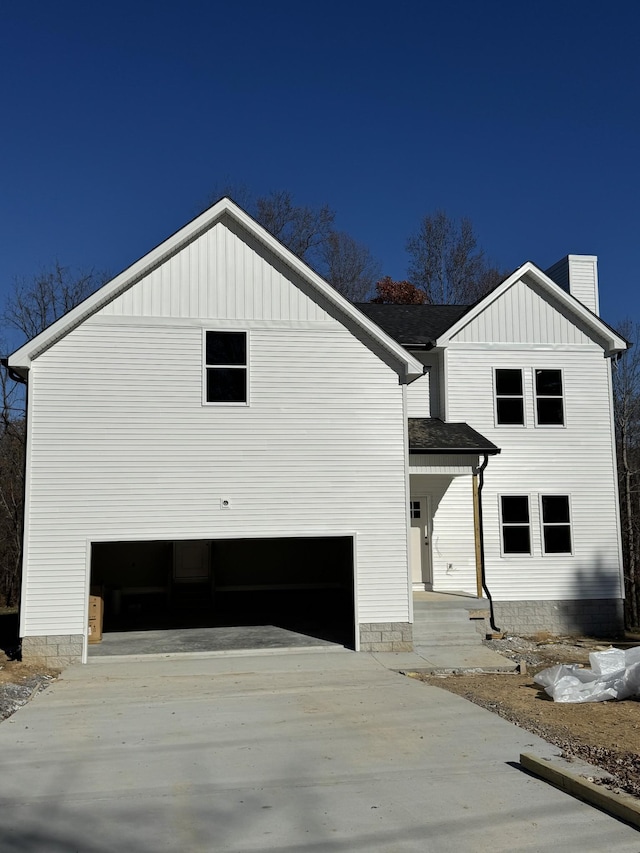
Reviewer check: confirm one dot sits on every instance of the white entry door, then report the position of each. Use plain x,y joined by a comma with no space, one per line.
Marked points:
420,555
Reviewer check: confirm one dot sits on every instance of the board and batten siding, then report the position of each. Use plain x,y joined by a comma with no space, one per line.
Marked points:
123,449
575,460
219,275
522,315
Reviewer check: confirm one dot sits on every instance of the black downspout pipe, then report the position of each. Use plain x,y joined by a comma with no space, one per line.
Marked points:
480,472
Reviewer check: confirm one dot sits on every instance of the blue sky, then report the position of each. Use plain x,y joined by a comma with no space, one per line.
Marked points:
121,119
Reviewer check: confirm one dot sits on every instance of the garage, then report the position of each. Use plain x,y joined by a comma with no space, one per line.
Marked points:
217,594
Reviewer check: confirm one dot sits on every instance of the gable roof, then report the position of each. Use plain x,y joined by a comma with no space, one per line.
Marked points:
407,366
607,337
436,325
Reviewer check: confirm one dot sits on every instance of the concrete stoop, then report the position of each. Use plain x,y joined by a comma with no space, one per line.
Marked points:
448,630
449,621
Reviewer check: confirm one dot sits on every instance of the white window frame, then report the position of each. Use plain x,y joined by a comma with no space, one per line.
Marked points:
537,397
510,555
522,397
544,524
245,367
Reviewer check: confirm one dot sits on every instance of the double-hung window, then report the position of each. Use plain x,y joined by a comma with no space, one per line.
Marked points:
509,396
556,524
225,368
549,398
516,524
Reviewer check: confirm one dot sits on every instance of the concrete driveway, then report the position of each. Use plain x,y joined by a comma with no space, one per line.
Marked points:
309,752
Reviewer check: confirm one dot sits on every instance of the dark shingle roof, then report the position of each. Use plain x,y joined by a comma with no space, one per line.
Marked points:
413,324
431,435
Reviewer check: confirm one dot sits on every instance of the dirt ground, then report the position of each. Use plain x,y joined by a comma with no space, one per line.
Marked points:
606,734
19,681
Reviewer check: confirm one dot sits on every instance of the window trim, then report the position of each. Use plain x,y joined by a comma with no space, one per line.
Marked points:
537,397
497,396
245,367
544,524
510,555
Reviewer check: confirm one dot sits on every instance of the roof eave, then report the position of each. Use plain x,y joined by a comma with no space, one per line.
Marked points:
460,451
611,342
21,359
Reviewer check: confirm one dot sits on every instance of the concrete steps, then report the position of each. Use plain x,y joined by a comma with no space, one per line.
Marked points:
447,622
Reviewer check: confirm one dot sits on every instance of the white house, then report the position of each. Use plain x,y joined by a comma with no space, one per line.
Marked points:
217,422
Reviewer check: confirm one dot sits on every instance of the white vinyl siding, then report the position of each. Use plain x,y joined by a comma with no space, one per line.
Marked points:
577,460
122,447
418,397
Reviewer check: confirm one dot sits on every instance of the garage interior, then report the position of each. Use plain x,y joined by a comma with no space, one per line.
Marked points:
224,593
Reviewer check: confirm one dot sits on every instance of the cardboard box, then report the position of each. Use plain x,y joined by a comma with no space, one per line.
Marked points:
96,614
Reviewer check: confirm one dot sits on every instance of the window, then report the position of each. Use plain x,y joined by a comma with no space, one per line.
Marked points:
509,397
415,509
556,524
516,525
226,367
549,398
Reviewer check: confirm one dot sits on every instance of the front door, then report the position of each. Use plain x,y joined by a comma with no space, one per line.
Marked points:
420,556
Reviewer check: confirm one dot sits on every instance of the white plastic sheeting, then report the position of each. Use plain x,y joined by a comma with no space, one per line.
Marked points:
614,674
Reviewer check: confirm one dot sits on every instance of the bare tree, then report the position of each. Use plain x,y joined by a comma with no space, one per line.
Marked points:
35,303
310,234
447,263
626,395
12,448
349,266
32,306
302,229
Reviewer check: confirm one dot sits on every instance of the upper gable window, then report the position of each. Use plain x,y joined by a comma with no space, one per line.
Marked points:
549,398
225,356
509,396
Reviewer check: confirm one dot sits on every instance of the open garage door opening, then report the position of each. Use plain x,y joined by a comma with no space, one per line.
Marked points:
199,595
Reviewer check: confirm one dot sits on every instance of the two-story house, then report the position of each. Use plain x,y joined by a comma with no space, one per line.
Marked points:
217,424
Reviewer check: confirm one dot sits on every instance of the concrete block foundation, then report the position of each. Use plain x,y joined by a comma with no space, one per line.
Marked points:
601,617
53,650
386,637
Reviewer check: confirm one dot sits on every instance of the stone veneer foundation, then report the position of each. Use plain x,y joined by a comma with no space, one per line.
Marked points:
386,637
600,617
54,650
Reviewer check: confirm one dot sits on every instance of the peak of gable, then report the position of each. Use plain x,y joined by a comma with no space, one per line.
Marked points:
264,247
